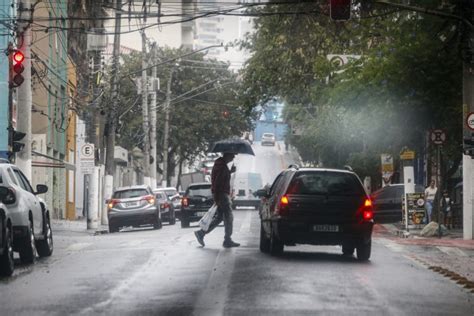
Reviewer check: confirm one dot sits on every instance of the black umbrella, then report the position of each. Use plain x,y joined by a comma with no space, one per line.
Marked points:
235,146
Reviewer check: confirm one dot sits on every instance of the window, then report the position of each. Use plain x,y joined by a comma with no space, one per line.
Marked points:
12,176
334,183
23,181
132,193
200,190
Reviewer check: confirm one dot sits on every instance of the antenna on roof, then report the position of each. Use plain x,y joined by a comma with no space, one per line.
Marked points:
348,168
295,166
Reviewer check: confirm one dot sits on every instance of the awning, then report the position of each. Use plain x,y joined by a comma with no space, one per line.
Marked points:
55,163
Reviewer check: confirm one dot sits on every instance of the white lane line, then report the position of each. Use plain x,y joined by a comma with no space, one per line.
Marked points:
452,251
212,300
245,227
78,246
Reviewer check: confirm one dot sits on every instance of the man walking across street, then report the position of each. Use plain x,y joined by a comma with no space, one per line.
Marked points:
220,181
430,195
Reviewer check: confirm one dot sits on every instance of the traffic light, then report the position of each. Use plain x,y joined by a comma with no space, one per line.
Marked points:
468,146
14,140
340,10
17,58
226,114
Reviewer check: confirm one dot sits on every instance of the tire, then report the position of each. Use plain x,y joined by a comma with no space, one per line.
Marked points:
7,264
264,241
184,223
158,223
28,251
172,220
113,228
347,250
276,245
45,247
364,250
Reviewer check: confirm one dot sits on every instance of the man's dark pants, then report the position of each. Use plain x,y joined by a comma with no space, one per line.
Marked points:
224,212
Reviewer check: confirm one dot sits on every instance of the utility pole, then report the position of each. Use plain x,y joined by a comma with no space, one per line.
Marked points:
468,107
153,143
109,161
146,123
24,98
167,129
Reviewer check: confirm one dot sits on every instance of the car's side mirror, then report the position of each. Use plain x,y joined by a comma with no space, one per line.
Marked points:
7,196
261,193
41,188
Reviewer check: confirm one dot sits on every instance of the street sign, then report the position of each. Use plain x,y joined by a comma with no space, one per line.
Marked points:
86,159
407,155
470,121
438,136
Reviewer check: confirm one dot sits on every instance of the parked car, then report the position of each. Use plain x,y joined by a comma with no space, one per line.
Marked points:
29,214
196,201
133,206
167,208
173,196
387,202
7,264
268,139
319,207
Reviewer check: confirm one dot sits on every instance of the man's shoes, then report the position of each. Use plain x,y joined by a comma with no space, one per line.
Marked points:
230,244
200,237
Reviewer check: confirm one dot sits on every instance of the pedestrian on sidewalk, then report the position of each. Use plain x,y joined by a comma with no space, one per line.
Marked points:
220,186
430,196
446,209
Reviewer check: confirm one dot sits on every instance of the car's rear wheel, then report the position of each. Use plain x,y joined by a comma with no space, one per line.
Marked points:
28,251
264,241
113,228
158,223
364,250
172,219
7,264
45,246
347,249
276,245
184,223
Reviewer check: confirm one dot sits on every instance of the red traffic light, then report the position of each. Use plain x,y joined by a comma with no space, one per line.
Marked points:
18,56
340,10
226,114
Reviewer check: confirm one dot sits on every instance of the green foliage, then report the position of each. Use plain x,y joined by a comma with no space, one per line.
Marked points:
406,81
201,90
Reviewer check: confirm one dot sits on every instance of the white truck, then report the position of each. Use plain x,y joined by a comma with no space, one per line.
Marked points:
243,186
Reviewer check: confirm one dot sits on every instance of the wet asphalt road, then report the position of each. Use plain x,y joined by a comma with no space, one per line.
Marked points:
165,272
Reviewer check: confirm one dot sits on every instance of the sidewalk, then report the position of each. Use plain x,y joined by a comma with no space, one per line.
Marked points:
77,226
451,255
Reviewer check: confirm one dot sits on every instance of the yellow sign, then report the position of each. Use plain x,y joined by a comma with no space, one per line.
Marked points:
407,155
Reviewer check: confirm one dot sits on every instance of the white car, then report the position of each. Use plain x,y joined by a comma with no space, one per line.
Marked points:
268,139
7,264
29,215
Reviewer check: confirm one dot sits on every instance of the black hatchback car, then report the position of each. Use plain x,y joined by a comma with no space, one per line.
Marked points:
388,202
195,203
319,207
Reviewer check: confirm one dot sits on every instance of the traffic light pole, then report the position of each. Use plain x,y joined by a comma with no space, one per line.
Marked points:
153,142
146,120
24,93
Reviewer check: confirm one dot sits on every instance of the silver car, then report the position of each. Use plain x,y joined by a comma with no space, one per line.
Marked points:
29,214
268,139
167,208
7,264
133,206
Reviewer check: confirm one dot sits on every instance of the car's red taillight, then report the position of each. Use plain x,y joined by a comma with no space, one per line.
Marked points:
111,203
185,202
282,208
367,210
149,198
164,205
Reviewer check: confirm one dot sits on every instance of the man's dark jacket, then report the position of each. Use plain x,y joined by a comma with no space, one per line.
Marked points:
220,177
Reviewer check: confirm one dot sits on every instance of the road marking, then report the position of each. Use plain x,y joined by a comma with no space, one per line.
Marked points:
212,300
245,227
452,251
391,245
78,246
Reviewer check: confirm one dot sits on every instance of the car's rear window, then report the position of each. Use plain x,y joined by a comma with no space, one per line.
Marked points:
199,190
267,135
132,193
326,182
171,192
161,195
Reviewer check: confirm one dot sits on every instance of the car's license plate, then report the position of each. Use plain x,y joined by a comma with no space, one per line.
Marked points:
131,204
325,228
200,213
